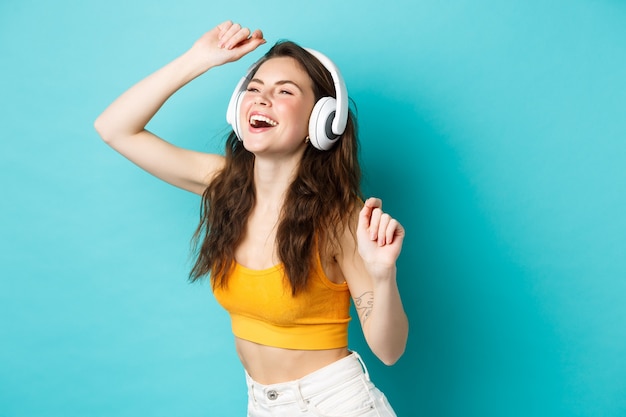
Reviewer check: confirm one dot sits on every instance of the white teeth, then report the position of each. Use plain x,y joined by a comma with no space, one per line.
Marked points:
258,118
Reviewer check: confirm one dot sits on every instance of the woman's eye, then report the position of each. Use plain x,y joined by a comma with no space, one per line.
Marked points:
285,92
252,89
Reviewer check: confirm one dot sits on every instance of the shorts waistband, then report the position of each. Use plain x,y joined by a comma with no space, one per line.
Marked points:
300,390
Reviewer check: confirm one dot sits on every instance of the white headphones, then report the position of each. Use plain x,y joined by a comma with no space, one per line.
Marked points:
328,118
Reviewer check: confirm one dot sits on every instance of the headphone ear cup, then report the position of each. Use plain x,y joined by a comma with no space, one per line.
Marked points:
234,105
320,124
236,125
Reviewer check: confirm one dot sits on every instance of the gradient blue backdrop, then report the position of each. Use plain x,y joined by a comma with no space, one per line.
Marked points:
494,130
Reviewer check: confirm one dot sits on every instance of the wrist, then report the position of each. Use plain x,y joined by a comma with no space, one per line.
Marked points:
382,273
193,64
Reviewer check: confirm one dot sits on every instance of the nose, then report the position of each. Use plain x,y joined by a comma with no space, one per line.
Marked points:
261,98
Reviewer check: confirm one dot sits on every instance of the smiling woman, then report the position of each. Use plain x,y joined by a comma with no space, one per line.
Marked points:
277,103
284,232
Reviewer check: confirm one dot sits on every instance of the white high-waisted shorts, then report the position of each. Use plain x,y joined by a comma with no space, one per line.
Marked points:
341,389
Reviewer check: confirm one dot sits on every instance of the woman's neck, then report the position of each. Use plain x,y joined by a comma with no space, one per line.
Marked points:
272,179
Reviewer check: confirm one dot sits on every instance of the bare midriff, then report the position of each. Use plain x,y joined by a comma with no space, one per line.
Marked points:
272,365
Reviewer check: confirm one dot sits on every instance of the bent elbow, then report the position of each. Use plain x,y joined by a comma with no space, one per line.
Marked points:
101,129
391,360
390,357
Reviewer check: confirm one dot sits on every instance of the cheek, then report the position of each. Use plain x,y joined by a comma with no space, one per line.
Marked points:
302,120
300,113
245,102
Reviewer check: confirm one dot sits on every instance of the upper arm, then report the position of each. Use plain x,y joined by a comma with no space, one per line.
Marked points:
356,275
183,168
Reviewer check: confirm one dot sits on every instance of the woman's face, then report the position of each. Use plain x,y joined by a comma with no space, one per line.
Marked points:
276,107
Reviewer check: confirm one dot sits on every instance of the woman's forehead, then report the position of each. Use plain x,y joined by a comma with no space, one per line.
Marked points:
280,67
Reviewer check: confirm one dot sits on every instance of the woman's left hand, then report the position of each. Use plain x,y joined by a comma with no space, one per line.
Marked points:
379,236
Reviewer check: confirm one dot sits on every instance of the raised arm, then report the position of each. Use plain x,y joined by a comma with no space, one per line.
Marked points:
123,124
370,271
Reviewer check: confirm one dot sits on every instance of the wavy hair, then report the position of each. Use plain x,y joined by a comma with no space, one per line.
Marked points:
318,206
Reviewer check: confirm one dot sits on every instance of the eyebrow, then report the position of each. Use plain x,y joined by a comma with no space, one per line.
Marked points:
281,82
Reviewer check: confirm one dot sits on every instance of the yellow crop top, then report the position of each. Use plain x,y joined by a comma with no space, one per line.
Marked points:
263,310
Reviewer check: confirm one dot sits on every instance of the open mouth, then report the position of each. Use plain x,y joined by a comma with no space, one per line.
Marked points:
259,121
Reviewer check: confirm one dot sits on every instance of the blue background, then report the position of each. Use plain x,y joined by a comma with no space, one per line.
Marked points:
494,130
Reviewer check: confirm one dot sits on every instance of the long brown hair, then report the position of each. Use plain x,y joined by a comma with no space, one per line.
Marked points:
318,207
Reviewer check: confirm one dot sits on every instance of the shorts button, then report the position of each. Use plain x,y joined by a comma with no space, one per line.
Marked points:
272,395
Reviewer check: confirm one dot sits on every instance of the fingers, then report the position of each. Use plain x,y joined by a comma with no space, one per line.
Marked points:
257,34
378,225
374,202
366,212
232,35
393,231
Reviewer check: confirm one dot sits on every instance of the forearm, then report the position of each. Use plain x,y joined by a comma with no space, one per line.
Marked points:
131,112
386,326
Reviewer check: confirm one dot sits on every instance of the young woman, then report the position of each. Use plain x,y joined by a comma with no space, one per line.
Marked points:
284,233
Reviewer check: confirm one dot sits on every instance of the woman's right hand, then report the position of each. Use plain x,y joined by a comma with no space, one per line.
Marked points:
227,42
